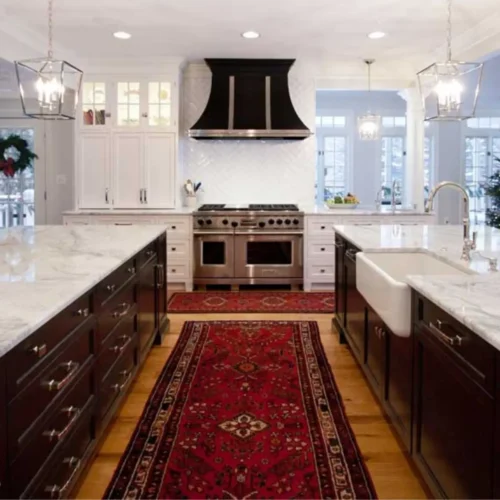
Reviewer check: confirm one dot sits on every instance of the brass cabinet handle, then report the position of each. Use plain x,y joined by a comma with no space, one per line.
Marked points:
120,387
57,491
117,349
83,312
54,434
39,350
122,310
111,288
453,341
56,385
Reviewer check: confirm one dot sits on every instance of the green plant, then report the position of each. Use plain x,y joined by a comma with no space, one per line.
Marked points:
492,189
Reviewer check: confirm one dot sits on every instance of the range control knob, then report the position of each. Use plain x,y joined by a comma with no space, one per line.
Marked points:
262,224
279,222
288,222
209,222
201,222
234,224
271,221
225,222
296,221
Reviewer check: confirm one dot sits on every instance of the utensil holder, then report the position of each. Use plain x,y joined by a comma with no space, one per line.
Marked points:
191,201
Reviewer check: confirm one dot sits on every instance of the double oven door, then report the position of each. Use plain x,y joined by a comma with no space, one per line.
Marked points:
248,256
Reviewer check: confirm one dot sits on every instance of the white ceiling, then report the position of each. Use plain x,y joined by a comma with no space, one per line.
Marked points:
327,30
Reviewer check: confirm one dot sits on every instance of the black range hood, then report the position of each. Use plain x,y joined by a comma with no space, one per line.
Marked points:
249,99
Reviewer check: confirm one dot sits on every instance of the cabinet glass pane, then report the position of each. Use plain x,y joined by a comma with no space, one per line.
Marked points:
122,114
159,98
154,93
134,114
134,93
94,103
129,98
122,93
165,92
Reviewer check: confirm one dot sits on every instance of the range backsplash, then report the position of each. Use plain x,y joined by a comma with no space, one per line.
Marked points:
249,171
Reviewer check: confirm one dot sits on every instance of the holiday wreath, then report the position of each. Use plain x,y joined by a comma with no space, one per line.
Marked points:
15,155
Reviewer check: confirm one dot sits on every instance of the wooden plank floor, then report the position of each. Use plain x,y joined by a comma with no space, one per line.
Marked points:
390,470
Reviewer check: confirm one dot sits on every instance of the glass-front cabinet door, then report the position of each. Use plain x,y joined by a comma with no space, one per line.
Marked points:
128,102
95,112
159,113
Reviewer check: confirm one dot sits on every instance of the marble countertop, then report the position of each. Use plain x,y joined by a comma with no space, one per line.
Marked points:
170,211
360,210
46,268
472,299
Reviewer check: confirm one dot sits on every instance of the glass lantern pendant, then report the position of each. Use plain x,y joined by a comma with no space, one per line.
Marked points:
49,87
369,124
450,89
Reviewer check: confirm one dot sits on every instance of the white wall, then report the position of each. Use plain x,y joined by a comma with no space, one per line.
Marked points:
249,171
54,144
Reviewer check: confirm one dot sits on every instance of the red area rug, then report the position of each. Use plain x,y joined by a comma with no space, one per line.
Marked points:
244,410
252,302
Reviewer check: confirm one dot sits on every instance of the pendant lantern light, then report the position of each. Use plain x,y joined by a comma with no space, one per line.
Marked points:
369,124
450,89
49,88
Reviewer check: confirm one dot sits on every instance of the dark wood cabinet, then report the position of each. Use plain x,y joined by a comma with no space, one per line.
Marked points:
61,387
340,289
454,422
496,472
376,346
161,287
355,306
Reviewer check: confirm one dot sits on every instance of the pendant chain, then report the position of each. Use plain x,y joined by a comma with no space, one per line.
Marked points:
448,38
50,13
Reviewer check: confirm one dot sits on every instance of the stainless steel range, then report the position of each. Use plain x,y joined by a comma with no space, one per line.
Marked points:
248,244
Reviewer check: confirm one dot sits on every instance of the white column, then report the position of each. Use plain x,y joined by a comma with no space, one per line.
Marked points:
415,135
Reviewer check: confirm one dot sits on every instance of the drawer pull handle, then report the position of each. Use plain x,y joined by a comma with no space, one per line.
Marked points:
57,385
323,249
174,249
322,270
150,253
161,276
83,312
57,491
453,341
122,310
39,350
340,246
131,270
379,332
174,270
120,387
323,227
174,227
123,223
111,288
117,349
73,414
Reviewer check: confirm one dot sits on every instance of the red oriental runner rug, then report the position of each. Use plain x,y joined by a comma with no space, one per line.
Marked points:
252,302
244,410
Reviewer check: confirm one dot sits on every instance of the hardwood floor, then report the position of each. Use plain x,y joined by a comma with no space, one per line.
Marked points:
390,470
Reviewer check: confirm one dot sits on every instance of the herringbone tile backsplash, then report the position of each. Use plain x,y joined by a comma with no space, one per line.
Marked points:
250,171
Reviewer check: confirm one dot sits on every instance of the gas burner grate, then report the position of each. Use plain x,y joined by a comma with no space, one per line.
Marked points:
274,207
211,207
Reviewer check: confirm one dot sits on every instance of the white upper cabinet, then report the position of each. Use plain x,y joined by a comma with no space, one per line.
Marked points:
159,171
94,182
130,103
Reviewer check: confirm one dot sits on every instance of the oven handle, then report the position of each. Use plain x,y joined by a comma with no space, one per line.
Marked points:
212,233
269,233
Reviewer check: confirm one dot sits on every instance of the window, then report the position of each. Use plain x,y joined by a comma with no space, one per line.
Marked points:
331,172
484,123
331,121
17,195
393,163
393,121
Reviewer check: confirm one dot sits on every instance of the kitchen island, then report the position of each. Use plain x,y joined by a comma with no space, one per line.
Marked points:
81,307
438,378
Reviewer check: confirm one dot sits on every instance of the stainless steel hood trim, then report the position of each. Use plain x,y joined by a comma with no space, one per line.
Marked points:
268,102
230,121
250,133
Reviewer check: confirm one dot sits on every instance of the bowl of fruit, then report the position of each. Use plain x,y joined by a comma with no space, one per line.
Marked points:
348,201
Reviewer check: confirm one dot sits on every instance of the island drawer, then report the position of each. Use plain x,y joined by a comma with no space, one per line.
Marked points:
117,380
147,253
114,310
123,335
53,432
473,355
110,286
30,357
50,386
60,474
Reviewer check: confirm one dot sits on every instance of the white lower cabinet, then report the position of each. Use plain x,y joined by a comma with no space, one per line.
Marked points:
319,248
128,170
179,239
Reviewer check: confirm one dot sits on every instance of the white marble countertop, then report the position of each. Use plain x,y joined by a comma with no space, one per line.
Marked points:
471,299
46,268
360,210
152,211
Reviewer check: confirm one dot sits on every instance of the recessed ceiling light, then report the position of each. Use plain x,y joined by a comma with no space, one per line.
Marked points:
122,35
376,35
250,34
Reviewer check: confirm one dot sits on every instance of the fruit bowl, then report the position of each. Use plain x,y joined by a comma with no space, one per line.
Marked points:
332,205
349,201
